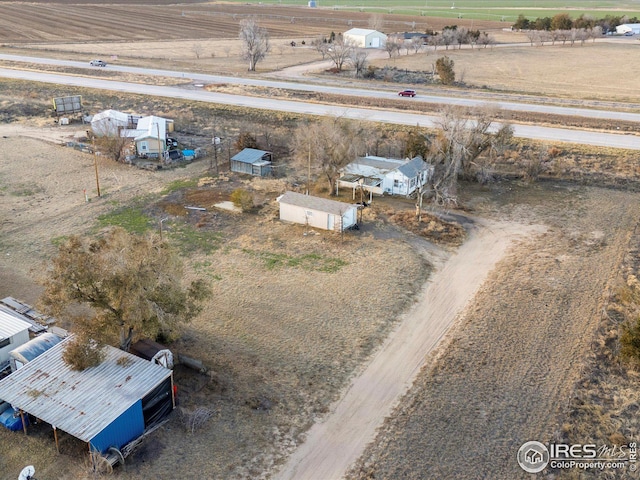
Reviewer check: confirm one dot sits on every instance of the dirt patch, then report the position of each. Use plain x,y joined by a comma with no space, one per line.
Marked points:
504,375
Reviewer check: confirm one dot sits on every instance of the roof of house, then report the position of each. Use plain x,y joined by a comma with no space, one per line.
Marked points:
361,32
378,167
111,114
249,155
81,403
315,203
413,167
152,127
10,325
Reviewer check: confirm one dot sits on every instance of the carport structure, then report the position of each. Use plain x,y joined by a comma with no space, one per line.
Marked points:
106,406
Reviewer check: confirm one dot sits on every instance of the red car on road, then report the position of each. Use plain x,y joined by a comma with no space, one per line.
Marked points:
407,93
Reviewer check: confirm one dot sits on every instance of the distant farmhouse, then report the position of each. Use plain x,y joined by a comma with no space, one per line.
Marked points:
365,38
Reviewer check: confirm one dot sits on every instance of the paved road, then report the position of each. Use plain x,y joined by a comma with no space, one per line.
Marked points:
353,91
377,115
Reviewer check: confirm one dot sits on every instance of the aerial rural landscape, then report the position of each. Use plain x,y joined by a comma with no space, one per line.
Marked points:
364,239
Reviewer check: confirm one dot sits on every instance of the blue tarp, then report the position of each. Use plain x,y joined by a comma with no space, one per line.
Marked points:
13,423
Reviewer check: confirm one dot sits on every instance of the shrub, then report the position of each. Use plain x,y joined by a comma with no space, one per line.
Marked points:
82,353
246,140
444,68
242,199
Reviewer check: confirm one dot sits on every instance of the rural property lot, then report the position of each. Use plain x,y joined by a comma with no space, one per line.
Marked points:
296,316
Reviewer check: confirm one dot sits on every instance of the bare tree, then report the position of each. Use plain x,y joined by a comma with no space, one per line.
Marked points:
197,49
392,47
416,44
340,51
462,136
462,36
255,42
321,45
448,37
358,60
329,145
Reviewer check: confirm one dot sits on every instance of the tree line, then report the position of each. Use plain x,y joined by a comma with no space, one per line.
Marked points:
563,21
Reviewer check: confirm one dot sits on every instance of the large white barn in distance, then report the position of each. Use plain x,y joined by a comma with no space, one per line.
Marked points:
365,38
628,29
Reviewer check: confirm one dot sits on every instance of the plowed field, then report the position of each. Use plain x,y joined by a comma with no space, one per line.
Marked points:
70,21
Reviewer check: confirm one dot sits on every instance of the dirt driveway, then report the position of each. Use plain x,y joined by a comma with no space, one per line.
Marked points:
333,444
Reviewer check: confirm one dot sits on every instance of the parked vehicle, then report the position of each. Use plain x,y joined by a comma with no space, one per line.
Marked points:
407,93
97,63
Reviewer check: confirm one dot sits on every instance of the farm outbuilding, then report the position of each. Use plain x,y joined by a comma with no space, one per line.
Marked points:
13,333
106,406
252,161
109,123
317,212
628,29
365,38
382,175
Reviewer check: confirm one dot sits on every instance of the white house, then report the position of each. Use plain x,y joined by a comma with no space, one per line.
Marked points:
109,122
13,333
317,212
382,175
151,136
628,28
365,38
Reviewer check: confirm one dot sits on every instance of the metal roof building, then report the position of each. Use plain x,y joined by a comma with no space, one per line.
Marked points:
317,212
106,406
252,161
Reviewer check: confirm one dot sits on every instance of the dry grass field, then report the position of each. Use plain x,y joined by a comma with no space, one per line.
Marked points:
506,372
294,315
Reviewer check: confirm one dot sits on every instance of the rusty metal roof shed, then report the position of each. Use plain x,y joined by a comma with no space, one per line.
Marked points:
81,403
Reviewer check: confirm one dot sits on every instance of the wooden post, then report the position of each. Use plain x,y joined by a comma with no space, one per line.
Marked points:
24,425
173,396
95,164
55,437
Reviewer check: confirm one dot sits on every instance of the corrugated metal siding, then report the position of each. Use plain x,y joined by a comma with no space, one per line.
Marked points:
128,426
10,325
241,167
83,403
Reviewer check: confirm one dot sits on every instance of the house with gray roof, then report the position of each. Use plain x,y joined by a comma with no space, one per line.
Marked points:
317,212
252,161
391,176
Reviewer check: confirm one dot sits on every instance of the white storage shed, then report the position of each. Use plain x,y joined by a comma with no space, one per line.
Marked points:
365,38
317,212
13,333
628,29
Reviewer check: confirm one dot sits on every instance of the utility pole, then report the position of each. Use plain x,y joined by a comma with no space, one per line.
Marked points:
309,169
160,151
95,163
